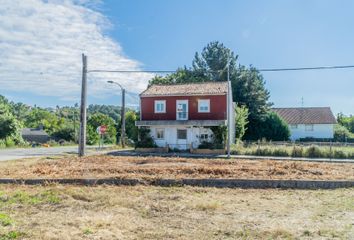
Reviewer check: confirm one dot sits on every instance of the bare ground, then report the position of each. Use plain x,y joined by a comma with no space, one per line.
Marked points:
173,167
111,212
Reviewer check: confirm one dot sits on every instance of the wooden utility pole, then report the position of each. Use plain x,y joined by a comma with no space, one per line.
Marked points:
82,138
229,108
123,119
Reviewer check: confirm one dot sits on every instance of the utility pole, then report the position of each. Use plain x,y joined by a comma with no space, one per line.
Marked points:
123,119
229,106
82,138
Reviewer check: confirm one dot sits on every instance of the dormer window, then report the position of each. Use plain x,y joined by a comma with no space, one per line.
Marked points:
204,105
160,106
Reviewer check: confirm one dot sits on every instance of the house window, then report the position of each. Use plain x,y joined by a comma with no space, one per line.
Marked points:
203,105
181,133
293,126
203,137
308,127
160,133
160,106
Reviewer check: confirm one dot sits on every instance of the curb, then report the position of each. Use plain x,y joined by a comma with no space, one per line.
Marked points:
218,183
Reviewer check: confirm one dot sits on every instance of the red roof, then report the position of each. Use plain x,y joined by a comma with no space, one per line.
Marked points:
306,115
190,89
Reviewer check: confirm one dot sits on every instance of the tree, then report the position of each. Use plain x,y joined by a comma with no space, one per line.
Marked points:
341,133
273,127
10,127
130,128
96,120
346,121
241,121
43,118
248,85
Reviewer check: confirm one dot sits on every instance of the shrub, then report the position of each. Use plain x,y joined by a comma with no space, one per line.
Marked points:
280,152
10,142
210,145
146,140
297,152
263,151
314,152
339,154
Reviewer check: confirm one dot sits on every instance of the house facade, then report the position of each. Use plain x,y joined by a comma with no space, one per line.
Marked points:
309,122
180,116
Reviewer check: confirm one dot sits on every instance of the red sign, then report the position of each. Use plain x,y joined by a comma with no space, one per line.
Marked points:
101,129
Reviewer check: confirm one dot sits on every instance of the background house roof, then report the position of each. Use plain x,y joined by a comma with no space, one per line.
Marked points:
206,88
308,115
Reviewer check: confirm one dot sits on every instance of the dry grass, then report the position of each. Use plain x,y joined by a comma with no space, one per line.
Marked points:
161,167
108,212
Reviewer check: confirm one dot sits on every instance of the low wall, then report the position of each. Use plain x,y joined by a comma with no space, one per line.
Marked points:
208,151
152,150
219,183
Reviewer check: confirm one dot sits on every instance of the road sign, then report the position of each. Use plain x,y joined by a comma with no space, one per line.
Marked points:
101,129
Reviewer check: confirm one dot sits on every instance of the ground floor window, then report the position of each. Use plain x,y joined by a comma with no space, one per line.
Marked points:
293,126
160,133
181,133
204,137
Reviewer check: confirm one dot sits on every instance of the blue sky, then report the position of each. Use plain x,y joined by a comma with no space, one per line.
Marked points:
159,34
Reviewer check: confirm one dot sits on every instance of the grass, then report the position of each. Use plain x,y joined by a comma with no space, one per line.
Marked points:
141,212
313,151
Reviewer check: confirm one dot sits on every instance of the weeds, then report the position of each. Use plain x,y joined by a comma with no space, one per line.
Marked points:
5,220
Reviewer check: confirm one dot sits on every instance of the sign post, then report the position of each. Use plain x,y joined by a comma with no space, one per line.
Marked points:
101,130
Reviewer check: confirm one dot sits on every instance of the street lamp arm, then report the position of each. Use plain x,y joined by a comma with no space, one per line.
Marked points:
112,82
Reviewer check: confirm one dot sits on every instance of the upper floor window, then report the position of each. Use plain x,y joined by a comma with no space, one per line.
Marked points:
308,127
203,105
160,106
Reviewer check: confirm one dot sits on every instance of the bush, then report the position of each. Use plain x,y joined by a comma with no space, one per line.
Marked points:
339,154
297,152
314,152
146,140
280,152
2,143
10,142
210,145
264,152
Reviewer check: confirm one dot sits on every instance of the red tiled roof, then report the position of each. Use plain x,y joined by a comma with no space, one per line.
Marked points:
205,88
306,115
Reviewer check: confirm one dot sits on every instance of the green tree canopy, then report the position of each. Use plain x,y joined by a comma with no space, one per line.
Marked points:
248,85
272,127
241,121
96,120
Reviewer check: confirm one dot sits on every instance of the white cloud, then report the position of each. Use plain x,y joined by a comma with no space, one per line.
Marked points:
41,43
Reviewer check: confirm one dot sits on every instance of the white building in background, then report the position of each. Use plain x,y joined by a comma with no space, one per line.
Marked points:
308,122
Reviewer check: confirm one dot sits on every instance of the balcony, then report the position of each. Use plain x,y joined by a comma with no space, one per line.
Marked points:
192,123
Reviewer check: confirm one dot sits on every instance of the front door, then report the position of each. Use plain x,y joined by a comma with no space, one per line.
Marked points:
182,138
182,110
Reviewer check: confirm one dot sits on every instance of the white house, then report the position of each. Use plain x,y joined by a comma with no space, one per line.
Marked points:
308,122
182,115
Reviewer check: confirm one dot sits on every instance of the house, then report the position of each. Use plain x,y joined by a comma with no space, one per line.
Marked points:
181,115
308,122
35,135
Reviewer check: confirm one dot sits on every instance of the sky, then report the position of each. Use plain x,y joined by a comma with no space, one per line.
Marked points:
41,43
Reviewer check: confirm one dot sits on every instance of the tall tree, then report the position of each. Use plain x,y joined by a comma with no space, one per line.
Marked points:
248,85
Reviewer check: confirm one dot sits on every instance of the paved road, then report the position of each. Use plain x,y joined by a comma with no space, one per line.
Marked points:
18,153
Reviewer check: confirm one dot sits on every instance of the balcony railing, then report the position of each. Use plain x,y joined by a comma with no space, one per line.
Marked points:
149,116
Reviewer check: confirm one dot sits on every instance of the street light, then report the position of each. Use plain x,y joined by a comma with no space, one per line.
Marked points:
122,114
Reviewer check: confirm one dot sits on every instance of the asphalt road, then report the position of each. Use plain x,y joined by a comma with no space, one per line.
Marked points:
18,153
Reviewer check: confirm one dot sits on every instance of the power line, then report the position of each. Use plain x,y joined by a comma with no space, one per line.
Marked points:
304,68
261,69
